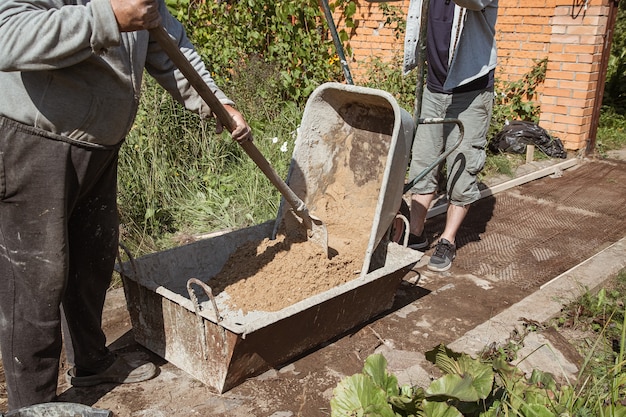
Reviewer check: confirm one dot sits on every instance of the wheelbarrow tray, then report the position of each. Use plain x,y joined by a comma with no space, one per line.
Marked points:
349,163
222,347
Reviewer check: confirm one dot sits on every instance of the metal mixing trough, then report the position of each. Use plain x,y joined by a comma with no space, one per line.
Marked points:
172,308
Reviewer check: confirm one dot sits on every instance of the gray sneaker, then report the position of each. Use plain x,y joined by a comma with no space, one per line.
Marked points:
442,257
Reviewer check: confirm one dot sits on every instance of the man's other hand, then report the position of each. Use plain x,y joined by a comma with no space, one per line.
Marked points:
134,15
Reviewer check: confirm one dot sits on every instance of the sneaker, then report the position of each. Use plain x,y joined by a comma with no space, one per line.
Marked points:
417,242
120,372
442,257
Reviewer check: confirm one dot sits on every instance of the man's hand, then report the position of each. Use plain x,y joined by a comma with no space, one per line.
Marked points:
134,15
242,131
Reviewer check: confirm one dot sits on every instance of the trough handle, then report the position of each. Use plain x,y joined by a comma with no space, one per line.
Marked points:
131,259
208,292
196,307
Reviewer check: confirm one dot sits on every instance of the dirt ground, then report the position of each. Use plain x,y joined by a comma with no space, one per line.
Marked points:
428,309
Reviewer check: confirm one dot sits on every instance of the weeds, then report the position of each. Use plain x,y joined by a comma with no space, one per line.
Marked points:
177,176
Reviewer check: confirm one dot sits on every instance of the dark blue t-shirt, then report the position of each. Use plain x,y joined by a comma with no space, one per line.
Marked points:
440,19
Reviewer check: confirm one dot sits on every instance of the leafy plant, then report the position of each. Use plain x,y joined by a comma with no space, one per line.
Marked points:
388,77
615,87
466,384
611,130
477,388
394,18
516,99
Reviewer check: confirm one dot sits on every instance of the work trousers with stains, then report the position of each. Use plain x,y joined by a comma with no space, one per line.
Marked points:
58,244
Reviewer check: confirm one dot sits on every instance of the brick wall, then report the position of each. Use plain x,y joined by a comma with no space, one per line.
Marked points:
569,34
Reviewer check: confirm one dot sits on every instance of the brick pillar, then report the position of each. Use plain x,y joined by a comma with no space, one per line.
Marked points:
523,36
576,47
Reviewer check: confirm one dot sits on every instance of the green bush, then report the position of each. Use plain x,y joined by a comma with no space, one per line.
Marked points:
611,130
615,87
289,34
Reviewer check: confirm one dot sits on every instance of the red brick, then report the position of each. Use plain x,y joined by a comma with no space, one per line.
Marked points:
584,94
542,38
557,92
573,102
562,76
546,108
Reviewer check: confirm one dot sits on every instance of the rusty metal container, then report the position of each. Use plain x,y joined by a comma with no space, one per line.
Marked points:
169,296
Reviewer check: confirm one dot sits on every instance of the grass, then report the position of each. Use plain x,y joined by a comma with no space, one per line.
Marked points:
177,176
611,131
599,317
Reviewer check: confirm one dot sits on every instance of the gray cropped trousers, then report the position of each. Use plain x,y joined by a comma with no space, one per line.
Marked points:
58,244
473,109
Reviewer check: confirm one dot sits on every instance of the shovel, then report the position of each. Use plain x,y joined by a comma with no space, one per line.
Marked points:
316,230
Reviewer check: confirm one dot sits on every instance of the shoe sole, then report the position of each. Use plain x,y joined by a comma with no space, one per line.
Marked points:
418,247
141,373
439,269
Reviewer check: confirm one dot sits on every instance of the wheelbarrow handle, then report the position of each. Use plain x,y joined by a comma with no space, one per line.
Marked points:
197,82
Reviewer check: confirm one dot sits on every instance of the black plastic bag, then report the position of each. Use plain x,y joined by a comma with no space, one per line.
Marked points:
517,134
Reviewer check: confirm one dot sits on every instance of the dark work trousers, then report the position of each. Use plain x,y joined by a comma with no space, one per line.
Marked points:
58,244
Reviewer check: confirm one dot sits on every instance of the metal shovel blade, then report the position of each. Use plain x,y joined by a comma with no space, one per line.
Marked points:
316,230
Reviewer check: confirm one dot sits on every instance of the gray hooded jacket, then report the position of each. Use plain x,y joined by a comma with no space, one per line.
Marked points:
65,68
473,46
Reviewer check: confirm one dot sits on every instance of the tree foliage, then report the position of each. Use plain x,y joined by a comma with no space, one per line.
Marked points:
615,88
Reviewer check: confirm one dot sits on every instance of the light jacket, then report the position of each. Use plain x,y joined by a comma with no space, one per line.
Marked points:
473,50
66,68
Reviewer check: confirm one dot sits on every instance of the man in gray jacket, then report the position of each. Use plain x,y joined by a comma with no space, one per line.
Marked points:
70,76
461,57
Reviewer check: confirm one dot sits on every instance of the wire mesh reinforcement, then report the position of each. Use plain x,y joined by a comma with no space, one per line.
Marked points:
529,234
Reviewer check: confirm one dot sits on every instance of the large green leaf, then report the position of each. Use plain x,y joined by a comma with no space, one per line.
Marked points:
482,373
376,367
444,359
439,409
536,410
409,402
358,396
615,411
463,388
467,379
